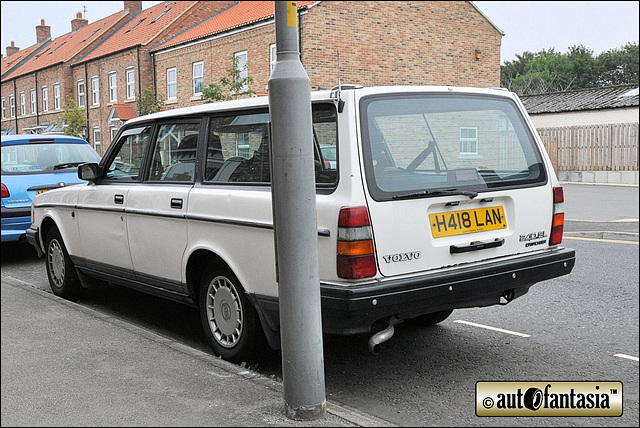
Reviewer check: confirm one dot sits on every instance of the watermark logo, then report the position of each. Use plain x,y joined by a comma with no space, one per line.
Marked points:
549,398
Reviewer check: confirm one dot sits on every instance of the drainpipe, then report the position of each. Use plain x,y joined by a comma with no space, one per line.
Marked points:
86,102
15,103
37,103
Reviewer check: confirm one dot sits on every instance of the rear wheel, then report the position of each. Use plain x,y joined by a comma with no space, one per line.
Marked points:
61,272
429,320
230,322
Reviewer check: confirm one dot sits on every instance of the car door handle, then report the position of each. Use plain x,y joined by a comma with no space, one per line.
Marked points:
476,245
118,199
176,203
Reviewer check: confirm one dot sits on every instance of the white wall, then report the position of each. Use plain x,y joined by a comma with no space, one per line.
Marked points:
593,117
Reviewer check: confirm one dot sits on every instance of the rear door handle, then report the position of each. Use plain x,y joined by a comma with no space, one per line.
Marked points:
176,203
118,199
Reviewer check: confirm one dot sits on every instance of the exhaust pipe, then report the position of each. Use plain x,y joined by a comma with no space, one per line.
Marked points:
383,336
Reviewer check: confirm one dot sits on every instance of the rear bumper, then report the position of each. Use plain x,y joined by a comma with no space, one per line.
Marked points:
13,227
353,309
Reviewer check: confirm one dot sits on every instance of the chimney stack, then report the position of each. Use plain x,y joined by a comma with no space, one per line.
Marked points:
12,49
133,6
43,32
78,23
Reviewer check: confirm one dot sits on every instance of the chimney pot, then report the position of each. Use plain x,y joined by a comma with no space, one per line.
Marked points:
12,49
43,32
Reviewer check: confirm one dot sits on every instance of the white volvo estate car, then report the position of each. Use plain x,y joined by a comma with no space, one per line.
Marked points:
438,198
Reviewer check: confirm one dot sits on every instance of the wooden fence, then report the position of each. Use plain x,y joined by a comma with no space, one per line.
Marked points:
610,147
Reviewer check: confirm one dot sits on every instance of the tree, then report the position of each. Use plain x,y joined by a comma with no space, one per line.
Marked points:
550,71
231,87
74,119
148,102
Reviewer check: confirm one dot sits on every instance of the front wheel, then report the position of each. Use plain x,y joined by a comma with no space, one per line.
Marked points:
61,272
230,323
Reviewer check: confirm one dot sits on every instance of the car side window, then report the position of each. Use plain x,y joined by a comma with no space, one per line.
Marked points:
125,164
238,147
174,153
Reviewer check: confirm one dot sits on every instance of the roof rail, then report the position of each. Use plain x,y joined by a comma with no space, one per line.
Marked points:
346,86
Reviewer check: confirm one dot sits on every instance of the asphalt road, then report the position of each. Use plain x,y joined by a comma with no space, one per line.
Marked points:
579,327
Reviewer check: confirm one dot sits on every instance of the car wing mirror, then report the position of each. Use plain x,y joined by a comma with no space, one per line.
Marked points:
88,172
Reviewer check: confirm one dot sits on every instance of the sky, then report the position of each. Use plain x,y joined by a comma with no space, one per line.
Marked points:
527,25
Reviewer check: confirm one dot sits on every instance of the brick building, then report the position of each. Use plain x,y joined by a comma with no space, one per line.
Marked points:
425,43
178,48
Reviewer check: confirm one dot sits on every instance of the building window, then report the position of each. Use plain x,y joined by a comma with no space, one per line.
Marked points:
12,106
468,141
171,84
96,140
198,77
4,108
95,91
131,83
23,104
242,68
33,101
56,96
113,87
81,94
45,98
272,56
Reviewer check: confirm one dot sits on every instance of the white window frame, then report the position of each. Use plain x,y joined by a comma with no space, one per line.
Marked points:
273,56
4,108
131,83
466,141
81,92
97,140
33,101
242,69
45,98
12,106
198,78
23,104
56,96
113,87
172,84
95,91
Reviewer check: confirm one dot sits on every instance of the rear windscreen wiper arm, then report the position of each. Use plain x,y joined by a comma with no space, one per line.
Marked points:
445,192
67,165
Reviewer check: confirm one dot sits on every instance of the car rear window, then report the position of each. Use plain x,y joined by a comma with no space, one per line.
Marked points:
20,159
429,142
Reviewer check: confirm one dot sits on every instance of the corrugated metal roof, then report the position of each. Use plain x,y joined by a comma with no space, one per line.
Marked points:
243,13
582,99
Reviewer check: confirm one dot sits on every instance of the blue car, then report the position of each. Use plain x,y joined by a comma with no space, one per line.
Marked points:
32,164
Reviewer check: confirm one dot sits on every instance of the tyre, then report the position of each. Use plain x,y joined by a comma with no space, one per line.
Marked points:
61,272
429,320
230,322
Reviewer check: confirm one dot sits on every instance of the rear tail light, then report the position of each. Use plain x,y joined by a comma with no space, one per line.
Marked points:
5,191
557,225
355,253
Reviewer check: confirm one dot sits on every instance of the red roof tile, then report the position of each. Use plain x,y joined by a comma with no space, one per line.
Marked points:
244,13
142,28
13,60
65,47
125,111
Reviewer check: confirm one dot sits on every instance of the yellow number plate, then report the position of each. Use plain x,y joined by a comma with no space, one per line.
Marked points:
467,221
41,191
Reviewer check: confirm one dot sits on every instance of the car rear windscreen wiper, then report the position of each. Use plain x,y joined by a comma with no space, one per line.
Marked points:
444,192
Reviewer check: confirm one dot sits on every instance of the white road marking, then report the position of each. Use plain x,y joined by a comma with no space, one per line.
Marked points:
515,333
600,240
628,357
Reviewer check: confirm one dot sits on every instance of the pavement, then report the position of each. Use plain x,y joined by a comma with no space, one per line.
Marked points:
73,366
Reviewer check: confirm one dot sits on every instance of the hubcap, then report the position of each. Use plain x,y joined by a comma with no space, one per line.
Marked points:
55,259
224,312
